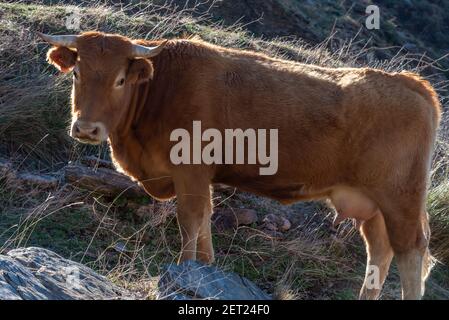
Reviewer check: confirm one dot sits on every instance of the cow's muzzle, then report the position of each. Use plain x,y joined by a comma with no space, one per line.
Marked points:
89,132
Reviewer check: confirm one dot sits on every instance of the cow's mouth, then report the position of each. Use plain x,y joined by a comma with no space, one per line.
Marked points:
89,141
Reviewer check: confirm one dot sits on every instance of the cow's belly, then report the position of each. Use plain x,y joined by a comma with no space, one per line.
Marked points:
284,192
349,202
286,186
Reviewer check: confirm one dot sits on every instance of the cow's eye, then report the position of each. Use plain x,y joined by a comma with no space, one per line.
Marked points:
75,74
121,82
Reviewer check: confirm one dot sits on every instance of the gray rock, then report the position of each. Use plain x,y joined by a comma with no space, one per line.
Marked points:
39,274
194,280
18,283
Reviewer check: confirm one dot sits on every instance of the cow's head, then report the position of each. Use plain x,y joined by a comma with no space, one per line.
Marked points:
106,68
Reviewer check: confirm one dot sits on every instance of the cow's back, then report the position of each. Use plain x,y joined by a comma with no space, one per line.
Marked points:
327,119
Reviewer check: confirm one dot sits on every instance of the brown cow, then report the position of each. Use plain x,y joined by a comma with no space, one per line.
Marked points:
362,138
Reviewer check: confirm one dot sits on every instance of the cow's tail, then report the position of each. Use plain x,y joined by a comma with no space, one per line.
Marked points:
428,260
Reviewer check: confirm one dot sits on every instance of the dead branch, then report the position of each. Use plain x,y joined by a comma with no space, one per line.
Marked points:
102,180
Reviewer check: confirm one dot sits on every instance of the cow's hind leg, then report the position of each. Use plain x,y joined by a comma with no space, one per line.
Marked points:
379,255
409,240
414,261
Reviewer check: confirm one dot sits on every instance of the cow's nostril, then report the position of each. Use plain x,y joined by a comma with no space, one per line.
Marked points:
77,130
95,131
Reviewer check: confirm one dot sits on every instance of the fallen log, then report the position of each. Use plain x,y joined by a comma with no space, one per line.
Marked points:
19,179
102,180
99,175
90,174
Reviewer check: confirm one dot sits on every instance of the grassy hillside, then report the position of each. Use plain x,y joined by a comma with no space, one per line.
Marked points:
416,26
129,240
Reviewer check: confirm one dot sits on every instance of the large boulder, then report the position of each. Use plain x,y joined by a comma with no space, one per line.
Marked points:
39,274
194,280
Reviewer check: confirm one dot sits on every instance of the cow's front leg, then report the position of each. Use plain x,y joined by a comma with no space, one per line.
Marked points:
205,249
194,212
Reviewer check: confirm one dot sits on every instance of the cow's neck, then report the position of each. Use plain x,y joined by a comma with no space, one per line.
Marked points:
135,108
126,148
139,144
138,155
126,152
138,161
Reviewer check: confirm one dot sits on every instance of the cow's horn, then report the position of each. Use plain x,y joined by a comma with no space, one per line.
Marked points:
68,41
140,51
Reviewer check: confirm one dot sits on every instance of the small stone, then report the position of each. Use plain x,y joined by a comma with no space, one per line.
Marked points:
246,216
120,247
273,222
286,225
227,219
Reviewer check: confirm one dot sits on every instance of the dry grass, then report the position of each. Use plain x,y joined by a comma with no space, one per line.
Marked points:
310,261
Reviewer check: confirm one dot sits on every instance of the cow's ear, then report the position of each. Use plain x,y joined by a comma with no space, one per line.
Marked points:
140,70
62,58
